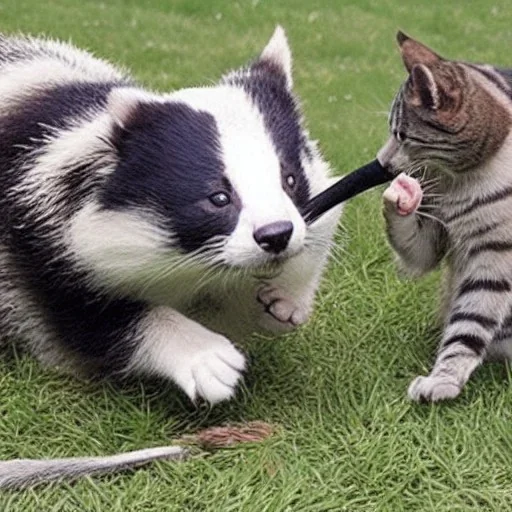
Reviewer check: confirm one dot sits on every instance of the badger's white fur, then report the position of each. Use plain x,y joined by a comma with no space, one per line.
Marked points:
142,232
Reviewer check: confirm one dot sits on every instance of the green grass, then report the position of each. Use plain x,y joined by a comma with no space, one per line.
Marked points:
349,439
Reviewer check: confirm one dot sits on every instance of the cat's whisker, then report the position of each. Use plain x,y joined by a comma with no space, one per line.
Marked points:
432,182
433,217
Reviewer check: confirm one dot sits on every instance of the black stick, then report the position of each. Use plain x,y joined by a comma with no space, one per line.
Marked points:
364,178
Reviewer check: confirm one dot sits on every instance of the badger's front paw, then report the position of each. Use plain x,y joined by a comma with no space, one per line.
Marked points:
403,196
433,389
213,373
285,312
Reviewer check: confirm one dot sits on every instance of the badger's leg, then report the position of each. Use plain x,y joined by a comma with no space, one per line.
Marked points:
203,363
288,299
287,303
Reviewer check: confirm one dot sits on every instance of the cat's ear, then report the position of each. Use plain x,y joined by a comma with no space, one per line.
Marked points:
425,91
431,90
413,52
277,53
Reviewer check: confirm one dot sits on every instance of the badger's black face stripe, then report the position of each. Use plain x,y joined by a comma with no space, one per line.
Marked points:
171,163
268,89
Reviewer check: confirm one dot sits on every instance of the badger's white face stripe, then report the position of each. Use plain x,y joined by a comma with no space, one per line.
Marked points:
252,167
133,244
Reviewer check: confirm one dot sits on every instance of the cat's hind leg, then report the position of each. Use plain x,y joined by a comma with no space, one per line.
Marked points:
501,346
479,308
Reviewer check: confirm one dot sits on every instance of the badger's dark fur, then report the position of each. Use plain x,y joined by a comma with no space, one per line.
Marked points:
139,231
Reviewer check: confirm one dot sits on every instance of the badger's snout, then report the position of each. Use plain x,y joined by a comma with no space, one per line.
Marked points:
274,237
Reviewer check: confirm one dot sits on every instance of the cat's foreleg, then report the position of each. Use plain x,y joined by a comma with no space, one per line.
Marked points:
203,363
479,309
418,241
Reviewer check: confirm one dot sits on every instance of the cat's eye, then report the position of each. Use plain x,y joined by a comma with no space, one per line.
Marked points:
290,180
400,136
220,199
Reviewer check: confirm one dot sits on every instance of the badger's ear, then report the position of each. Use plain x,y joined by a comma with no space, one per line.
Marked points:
123,102
278,54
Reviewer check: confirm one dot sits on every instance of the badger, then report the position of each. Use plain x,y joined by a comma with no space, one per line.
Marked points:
142,234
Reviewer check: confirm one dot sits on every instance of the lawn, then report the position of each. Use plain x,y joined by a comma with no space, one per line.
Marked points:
348,438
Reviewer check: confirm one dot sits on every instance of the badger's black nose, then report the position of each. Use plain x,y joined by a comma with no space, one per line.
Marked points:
274,237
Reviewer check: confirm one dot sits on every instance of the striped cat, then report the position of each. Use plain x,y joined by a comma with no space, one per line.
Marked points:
451,141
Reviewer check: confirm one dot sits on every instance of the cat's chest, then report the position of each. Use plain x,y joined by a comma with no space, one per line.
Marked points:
474,216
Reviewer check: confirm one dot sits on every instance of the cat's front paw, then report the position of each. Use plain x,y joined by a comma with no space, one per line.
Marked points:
285,311
433,389
403,196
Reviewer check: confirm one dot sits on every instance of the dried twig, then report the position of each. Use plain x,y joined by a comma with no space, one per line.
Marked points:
230,435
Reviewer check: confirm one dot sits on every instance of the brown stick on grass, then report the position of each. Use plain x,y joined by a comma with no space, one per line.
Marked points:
229,435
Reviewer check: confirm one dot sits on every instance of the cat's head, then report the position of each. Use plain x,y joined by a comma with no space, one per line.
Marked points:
448,115
209,176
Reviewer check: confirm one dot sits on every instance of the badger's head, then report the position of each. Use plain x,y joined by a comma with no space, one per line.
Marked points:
223,171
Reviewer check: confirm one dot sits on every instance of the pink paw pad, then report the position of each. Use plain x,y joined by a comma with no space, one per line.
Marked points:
404,194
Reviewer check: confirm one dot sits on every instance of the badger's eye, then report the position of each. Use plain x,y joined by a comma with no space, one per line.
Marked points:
290,180
220,199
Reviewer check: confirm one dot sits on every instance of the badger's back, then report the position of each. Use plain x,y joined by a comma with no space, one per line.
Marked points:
50,93
60,57
52,100
45,86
